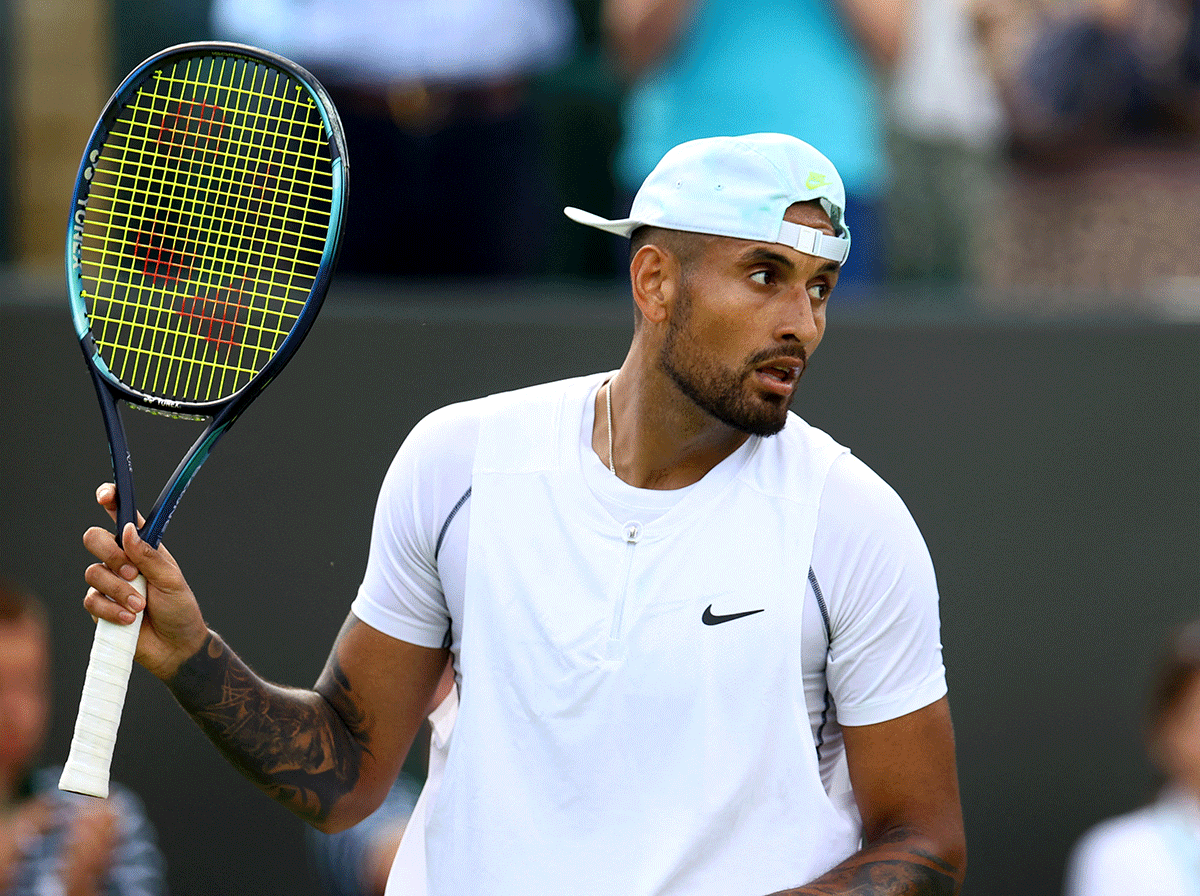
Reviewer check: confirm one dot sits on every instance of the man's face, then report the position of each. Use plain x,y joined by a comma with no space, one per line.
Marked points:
1179,739
748,317
24,693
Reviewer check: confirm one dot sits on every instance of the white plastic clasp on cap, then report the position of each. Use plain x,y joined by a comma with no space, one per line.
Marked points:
811,241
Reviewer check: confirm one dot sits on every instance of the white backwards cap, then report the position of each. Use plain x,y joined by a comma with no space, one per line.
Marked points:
738,187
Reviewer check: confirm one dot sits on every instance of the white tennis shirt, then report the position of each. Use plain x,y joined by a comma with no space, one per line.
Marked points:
651,683
1153,850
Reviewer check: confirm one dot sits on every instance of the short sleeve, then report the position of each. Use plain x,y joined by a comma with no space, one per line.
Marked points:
885,652
401,593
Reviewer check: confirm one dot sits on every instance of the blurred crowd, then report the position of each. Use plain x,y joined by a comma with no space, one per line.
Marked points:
1026,153
1044,151
1032,147
54,843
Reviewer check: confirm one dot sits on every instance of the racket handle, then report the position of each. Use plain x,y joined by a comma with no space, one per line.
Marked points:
87,767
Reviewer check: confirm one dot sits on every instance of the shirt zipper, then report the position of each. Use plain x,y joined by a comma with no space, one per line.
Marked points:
631,532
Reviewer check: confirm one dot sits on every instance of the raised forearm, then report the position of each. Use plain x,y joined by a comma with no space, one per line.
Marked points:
641,32
879,26
303,749
901,863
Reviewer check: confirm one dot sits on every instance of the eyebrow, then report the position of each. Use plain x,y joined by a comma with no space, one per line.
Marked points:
760,254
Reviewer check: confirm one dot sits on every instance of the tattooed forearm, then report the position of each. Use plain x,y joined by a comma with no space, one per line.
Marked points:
303,748
892,866
887,877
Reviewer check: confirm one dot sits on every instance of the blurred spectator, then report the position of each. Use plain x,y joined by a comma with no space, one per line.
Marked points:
1078,78
809,68
359,860
448,176
53,842
578,103
1102,99
946,127
1156,849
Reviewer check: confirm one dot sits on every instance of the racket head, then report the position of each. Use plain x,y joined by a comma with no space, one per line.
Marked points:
205,225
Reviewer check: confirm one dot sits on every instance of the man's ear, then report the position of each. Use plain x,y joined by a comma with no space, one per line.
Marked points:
654,276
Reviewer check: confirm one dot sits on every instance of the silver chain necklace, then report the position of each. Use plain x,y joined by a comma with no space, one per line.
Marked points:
608,406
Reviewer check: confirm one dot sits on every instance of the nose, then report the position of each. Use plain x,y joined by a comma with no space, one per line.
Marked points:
798,322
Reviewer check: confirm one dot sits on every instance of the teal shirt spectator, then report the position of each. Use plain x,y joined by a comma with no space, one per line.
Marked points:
769,65
789,66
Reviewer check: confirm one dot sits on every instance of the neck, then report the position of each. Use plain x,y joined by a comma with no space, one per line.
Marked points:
660,439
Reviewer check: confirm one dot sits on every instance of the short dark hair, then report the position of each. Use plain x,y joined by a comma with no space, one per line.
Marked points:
1178,669
18,602
684,245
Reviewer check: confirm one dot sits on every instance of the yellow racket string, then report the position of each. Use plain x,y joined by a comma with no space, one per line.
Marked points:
205,226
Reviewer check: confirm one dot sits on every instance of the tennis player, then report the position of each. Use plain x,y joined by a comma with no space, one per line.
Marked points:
696,641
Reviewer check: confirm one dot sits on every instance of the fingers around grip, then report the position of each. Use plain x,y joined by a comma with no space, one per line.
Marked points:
106,497
101,606
156,562
102,545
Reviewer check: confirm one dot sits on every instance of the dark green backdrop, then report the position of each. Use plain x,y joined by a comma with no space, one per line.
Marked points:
1053,467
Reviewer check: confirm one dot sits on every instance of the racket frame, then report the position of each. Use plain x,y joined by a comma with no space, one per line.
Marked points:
87,768
222,412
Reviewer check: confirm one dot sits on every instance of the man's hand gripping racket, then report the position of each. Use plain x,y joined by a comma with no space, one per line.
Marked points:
204,228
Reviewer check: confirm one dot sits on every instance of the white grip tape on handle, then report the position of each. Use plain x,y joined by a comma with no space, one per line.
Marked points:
87,767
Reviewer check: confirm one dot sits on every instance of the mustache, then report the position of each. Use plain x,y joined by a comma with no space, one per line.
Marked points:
781,353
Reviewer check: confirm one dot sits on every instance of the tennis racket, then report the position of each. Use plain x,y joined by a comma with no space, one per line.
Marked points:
204,228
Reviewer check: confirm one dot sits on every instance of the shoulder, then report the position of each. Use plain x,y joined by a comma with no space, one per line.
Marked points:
800,433
1120,829
881,593
867,544
542,398
859,499
448,425
857,508
856,503
460,421
438,454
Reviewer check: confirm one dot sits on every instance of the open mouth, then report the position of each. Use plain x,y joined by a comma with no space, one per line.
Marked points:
784,373
781,376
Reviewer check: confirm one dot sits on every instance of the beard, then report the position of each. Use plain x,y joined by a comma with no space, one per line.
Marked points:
719,390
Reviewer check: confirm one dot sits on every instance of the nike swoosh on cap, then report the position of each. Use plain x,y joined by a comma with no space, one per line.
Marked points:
710,618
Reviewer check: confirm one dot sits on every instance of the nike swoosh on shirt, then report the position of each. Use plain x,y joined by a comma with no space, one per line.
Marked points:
709,618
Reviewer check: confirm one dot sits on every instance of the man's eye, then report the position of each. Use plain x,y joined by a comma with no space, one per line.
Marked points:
818,292
763,278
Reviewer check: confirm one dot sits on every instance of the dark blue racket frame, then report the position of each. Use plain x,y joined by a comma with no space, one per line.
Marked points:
224,412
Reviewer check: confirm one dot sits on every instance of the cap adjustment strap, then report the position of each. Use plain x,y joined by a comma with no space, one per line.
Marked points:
811,241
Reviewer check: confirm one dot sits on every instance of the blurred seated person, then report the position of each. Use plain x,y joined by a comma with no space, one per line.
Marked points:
358,860
1155,849
448,176
53,842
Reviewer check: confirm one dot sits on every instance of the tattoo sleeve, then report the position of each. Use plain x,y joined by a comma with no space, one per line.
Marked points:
891,866
303,748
